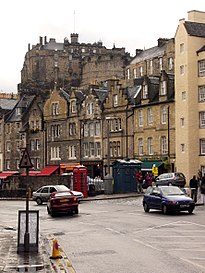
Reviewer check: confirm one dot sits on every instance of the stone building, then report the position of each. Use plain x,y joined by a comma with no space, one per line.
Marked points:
70,64
190,94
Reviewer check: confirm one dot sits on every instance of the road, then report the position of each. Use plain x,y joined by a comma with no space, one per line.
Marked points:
117,236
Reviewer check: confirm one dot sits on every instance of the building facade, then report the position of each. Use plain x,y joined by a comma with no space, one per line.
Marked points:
190,92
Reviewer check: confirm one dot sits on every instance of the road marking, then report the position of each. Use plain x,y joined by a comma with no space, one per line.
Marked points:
195,264
185,249
147,245
115,231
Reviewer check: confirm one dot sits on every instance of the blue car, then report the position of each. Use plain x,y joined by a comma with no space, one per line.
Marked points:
167,199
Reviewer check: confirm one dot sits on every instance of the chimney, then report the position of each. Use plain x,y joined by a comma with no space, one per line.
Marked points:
196,16
138,51
29,47
41,40
74,38
162,41
45,40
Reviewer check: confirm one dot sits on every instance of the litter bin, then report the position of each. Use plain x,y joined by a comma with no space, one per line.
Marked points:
91,190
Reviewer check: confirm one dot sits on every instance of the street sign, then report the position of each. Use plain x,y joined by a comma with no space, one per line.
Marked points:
25,160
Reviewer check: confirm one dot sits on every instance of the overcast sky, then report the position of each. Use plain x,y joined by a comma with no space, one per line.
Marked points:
130,24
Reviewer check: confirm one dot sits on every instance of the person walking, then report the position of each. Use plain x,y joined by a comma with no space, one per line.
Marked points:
202,189
193,184
139,181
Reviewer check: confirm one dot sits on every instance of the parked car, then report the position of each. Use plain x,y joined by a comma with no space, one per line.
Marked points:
43,194
175,179
167,199
62,202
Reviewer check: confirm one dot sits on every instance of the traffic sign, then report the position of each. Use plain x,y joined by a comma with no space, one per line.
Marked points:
25,160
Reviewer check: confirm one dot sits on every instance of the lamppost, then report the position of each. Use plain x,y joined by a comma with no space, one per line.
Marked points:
108,178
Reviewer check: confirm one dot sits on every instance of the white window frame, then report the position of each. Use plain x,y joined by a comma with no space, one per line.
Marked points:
98,149
170,63
141,71
55,108
163,115
37,144
163,145
140,146
140,118
202,146
163,88
201,66
38,162
150,146
32,143
202,119
115,100
135,73
149,116
92,149
202,93
72,152
145,91
128,73
73,106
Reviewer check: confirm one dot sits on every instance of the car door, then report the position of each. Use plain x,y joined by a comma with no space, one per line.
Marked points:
45,193
155,198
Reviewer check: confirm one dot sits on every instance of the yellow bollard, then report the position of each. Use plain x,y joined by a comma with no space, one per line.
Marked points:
56,252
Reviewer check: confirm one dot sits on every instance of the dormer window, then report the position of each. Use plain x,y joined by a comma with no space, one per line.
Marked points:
145,91
18,111
55,108
163,90
73,106
90,108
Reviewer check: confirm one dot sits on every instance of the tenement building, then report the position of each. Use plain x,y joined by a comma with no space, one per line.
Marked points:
190,94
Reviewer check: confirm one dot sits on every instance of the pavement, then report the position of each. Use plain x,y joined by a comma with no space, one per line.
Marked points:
41,262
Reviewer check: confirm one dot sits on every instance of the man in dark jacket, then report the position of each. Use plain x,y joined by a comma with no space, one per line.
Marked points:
193,184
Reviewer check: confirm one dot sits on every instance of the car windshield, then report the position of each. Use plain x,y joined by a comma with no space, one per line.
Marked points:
169,190
62,188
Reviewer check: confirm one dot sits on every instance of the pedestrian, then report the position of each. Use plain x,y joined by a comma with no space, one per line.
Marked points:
202,189
149,179
139,181
193,184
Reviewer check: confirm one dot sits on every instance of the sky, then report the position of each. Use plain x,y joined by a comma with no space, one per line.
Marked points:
131,24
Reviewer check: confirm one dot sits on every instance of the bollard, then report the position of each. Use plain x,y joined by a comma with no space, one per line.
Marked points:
56,252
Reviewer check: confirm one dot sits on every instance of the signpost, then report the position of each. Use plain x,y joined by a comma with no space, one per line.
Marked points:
26,163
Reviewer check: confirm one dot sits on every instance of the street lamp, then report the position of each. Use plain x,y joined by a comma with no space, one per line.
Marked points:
108,178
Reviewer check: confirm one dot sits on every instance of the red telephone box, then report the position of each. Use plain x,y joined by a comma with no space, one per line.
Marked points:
80,179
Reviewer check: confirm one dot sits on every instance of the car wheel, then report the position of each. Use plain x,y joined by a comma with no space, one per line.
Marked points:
39,201
76,211
164,209
52,213
48,210
190,211
146,208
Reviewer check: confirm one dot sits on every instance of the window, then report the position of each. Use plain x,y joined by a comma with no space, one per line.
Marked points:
8,128
151,66
90,108
55,108
140,118
181,47
92,149
160,63
128,73
72,152
8,164
149,116
115,125
8,146
140,146
202,119
182,69
163,145
141,71
98,149
170,63
86,149
72,129
37,144
17,163
202,146
182,122
91,129
38,163
201,65
150,145
182,147
202,93
37,124
73,106
183,95
55,153
115,149
97,129
32,144
115,100
55,130
86,130
145,91
163,115
163,88
134,73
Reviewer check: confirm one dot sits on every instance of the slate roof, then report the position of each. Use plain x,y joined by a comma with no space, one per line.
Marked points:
65,94
101,94
52,45
7,104
150,53
195,29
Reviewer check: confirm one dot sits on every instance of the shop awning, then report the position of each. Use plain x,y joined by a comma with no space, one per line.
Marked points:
147,165
31,173
4,175
48,170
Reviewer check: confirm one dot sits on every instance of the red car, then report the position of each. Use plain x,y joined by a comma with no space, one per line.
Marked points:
62,202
